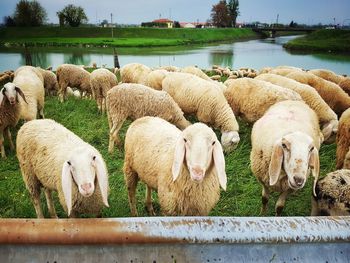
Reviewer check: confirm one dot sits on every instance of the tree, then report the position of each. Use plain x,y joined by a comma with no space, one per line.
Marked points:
104,22
72,15
29,13
220,14
233,10
9,21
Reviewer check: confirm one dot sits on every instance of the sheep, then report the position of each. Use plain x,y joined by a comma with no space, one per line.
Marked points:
101,81
332,195
332,94
52,157
9,113
327,117
345,85
134,73
73,93
131,100
280,70
155,78
73,76
204,99
251,98
285,144
50,81
31,82
170,68
343,139
195,71
186,168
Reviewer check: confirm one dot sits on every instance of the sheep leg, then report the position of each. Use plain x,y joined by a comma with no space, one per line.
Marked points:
264,200
314,209
149,205
50,204
113,136
281,202
9,138
131,180
103,105
41,113
63,91
3,154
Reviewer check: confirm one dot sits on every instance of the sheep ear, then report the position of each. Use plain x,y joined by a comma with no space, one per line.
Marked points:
179,156
102,178
20,92
275,163
314,163
66,178
219,161
1,98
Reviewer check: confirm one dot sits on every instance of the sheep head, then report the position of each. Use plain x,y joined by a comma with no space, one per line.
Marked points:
10,92
199,148
329,131
82,167
230,140
295,153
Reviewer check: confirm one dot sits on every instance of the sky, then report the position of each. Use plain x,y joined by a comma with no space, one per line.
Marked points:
137,11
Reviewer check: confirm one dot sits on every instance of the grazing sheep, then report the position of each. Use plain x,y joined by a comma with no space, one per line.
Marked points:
52,157
195,71
72,76
186,168
280,70
343,139
332,94
130,100
31,82
204,99
251,98
332,195
155,78
134,73
327,117
9,113
101,81
170,68
50,81
345,85
285,144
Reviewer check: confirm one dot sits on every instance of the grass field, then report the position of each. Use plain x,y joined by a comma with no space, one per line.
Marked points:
322,40
123,37
242,198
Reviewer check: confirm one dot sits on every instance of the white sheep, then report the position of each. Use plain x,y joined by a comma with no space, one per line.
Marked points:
251,98
343,139
332,195
134,73
9,113
50,81
52,157
186,168
101,81
285,144
31,82
195,71
73,76
204,99
327,117
280,70
155,78
131,100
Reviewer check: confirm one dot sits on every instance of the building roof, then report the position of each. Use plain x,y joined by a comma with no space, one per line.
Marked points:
162,20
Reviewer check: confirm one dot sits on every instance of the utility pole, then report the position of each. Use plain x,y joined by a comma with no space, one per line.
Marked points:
277,19
112,23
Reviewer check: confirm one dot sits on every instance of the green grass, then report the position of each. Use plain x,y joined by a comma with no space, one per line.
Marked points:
322,40
242,198
123,37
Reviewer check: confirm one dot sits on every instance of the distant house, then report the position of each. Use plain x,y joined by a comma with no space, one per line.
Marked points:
166,21
192,24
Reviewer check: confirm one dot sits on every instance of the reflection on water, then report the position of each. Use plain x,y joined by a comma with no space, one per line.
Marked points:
254,53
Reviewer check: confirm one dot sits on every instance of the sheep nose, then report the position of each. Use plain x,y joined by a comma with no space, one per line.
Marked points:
197,173
298,180
86,187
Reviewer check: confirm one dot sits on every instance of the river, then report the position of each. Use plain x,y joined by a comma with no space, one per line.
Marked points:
253,53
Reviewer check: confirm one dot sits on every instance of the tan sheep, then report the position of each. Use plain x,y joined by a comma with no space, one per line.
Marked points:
170,68
280,70
130,100
155,78
332,195
134,73
186,168
50,82
52,157
251,98
74,77
9,113
343,139
101,81
345,85
331,93
327,117
285,144
196,71
31,82
206,100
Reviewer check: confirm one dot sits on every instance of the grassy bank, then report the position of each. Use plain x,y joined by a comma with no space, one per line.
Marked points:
322,40
123,37
242,198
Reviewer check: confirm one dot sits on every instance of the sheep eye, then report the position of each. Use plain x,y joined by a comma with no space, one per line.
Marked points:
213,143
185,140
312,148
69,162
284,146
94,158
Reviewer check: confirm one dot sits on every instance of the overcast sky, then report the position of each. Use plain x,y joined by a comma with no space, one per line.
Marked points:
137,11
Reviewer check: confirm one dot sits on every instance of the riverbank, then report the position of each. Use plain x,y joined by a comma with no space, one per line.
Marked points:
326,40
122,37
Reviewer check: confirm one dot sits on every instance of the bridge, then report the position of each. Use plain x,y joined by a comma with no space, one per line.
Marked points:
273,30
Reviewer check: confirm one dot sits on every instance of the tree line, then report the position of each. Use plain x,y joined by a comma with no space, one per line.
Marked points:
31,13
225,14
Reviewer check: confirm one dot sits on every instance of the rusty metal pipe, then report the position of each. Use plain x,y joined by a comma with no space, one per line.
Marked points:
183,230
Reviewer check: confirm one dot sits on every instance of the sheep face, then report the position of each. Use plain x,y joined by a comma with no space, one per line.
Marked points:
10,91
83,167
329,131
199,147
230,140
295,153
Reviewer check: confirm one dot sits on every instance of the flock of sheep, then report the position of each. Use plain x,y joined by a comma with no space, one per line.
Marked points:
293,112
